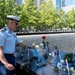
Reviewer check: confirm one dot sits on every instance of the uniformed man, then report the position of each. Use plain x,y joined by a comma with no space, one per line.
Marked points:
8,41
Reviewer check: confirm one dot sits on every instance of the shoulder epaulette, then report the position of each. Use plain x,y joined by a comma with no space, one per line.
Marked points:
3,29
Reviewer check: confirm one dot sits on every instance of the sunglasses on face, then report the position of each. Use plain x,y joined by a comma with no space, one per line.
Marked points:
16,22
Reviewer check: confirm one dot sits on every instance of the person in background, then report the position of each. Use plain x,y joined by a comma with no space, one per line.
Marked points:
8,42
56,51
55,55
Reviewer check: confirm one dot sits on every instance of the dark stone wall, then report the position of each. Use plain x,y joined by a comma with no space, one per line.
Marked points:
64,41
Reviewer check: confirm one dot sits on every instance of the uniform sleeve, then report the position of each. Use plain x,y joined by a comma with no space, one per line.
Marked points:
17,41
2,39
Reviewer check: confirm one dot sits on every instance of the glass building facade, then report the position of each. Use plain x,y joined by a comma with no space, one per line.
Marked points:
58,4
62,3
20,1
69,2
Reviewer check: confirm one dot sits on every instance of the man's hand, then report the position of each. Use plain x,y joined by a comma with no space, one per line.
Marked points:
9,66
22,44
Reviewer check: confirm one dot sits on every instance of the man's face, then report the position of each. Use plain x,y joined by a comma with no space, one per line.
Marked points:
14,25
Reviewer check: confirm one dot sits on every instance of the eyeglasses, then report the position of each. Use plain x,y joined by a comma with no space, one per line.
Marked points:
15,22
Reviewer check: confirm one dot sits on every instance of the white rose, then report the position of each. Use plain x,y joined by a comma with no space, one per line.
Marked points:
33,44
71,68
41,44
37,46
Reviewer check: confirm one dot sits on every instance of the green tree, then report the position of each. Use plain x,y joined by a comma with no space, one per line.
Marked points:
71,19
29,14
7,7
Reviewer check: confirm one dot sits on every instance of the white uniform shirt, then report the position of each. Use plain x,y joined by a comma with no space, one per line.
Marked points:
8,40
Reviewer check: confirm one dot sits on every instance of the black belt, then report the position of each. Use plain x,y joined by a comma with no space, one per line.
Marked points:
8,54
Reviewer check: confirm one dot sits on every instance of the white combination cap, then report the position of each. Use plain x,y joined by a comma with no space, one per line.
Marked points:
11,17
